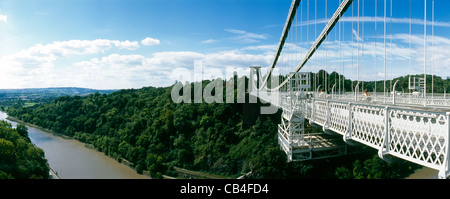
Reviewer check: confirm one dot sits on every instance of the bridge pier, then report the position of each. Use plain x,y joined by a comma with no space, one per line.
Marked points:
254,83
254,70
443,174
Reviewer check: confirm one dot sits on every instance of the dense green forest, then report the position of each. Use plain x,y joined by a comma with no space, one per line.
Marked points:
144,127
19,158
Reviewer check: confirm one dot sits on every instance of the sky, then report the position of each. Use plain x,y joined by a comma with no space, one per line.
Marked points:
116,44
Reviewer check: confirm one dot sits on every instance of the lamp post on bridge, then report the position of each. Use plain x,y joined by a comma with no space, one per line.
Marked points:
393,94
255,70
445,92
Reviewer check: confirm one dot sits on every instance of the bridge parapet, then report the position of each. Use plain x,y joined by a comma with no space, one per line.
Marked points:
414,133
418,136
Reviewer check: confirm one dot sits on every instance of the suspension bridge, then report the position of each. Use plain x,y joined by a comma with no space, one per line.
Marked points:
412,125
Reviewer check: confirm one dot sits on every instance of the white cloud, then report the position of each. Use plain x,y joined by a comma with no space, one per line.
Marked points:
246,37
3,18
209,41
355,33
135,71
150,41
39,66
40,55
129,45
264,48
79,47
121,71
35,66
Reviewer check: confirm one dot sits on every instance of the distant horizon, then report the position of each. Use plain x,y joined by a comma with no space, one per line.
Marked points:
53,87
117,89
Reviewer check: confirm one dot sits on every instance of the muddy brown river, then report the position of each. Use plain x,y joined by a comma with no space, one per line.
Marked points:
70,159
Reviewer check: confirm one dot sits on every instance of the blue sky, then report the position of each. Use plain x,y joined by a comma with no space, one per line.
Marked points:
134,43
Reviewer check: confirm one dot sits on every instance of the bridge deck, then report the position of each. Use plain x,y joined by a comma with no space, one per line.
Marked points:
436,105
413,129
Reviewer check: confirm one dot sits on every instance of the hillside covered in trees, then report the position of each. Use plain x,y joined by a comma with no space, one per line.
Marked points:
19,158
144,127
349,85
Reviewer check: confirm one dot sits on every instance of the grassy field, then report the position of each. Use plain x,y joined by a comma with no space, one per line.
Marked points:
28,104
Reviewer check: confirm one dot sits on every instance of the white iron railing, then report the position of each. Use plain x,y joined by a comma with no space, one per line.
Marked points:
413,134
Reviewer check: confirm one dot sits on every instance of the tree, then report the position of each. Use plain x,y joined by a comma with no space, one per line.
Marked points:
7,152
343,173
23,131
155,165
19,158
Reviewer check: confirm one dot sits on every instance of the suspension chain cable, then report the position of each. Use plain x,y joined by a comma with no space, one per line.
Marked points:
432,51
326,54
410,42
390,54
385,48
340,55
425,51
375,51
357,41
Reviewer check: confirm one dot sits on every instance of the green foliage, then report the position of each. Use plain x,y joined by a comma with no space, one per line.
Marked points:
348,85
19,158
376,168
151,132
145,128
23,131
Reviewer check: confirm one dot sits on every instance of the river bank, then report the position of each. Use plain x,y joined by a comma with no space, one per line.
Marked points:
14,119
424,173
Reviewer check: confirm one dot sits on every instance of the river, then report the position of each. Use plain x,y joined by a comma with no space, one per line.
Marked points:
424,173
70,159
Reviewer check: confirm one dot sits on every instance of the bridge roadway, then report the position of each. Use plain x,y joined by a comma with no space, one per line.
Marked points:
413,129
